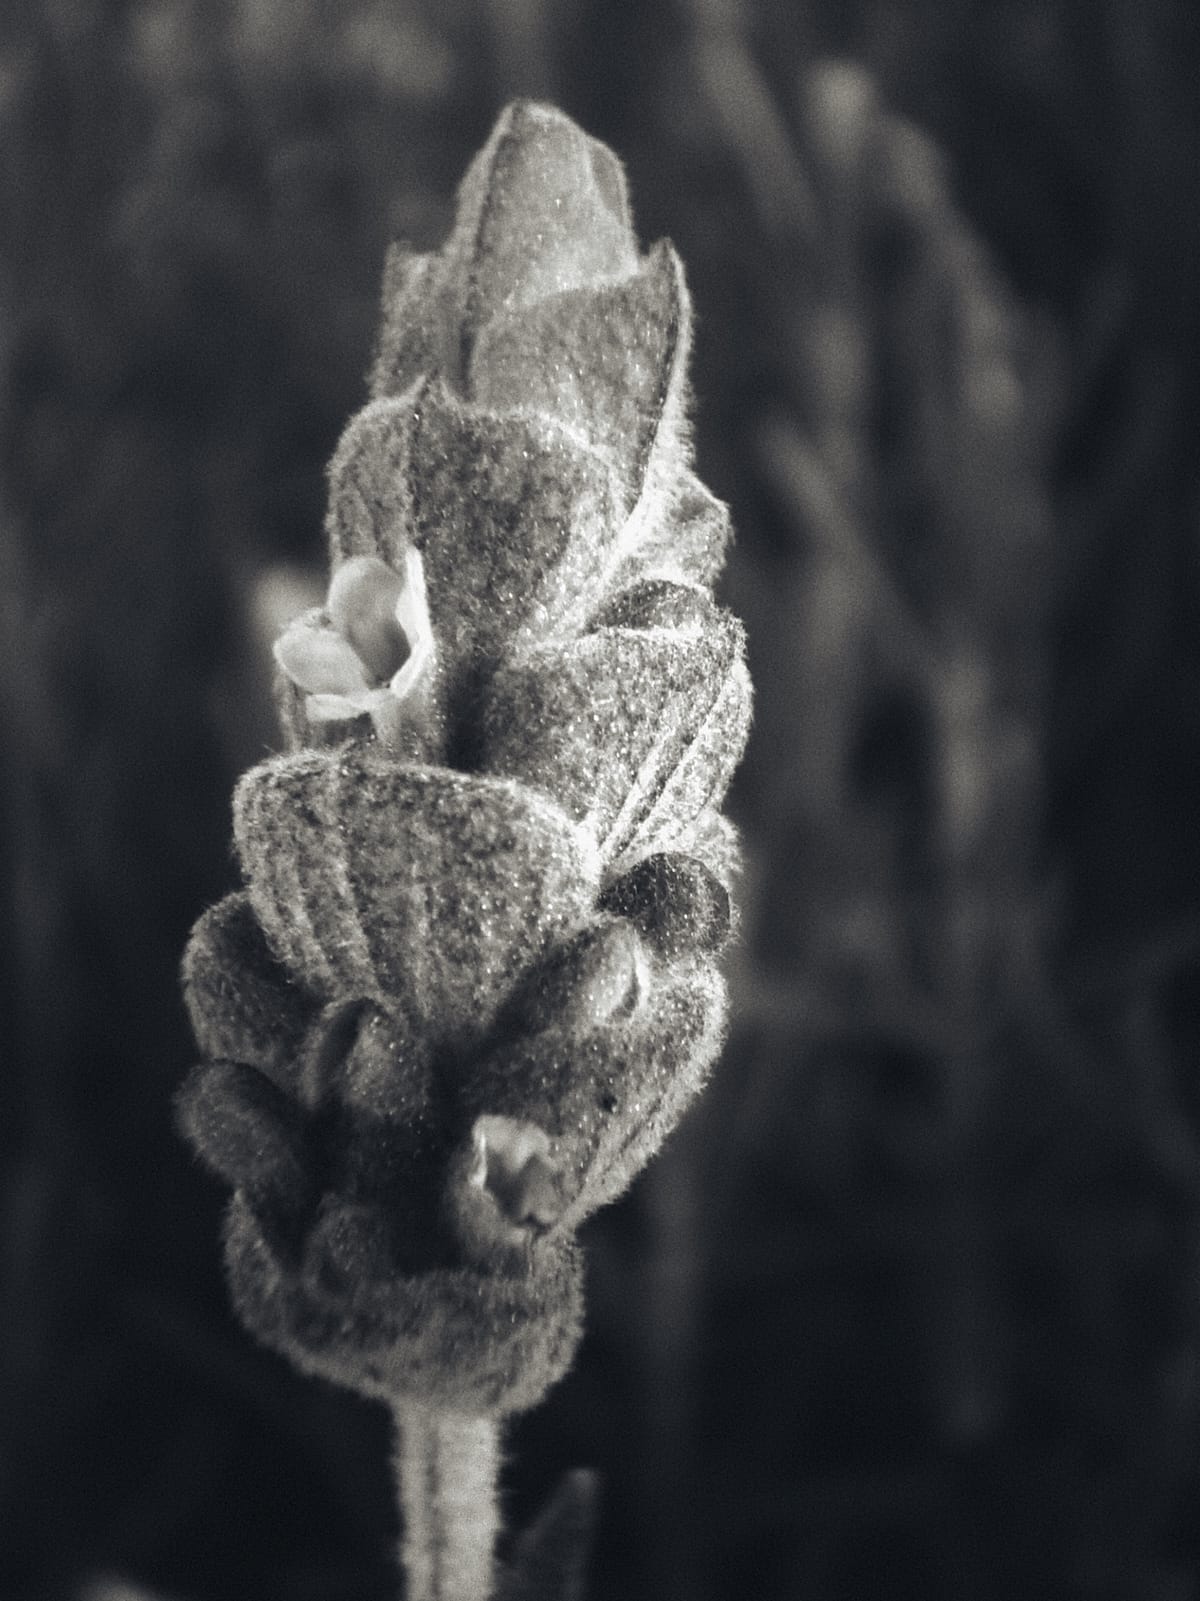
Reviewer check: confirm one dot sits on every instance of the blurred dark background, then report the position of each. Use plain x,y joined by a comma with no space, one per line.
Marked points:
909,1307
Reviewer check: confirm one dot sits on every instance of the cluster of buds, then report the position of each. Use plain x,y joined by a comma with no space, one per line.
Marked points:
471,981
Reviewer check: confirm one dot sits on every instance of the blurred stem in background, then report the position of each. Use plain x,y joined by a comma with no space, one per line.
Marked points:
907,988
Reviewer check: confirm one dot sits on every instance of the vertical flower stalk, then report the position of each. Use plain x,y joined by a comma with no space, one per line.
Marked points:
471,981
447,1467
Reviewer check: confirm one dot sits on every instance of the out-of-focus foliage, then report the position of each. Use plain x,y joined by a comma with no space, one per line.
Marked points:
909,1307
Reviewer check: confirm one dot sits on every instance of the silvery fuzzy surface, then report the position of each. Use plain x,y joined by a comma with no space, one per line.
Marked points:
511,920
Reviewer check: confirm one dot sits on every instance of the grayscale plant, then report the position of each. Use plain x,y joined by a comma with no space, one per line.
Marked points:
472,982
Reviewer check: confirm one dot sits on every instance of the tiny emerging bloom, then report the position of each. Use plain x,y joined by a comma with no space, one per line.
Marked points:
505,1190
368,650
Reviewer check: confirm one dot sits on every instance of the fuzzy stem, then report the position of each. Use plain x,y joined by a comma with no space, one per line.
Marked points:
447,1466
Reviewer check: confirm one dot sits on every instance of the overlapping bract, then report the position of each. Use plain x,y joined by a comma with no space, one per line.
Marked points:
471,982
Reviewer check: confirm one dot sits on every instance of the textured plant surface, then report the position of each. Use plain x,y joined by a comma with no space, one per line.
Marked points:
471,982
908,1307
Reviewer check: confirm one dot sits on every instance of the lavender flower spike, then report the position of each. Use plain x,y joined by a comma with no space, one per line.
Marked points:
472,980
